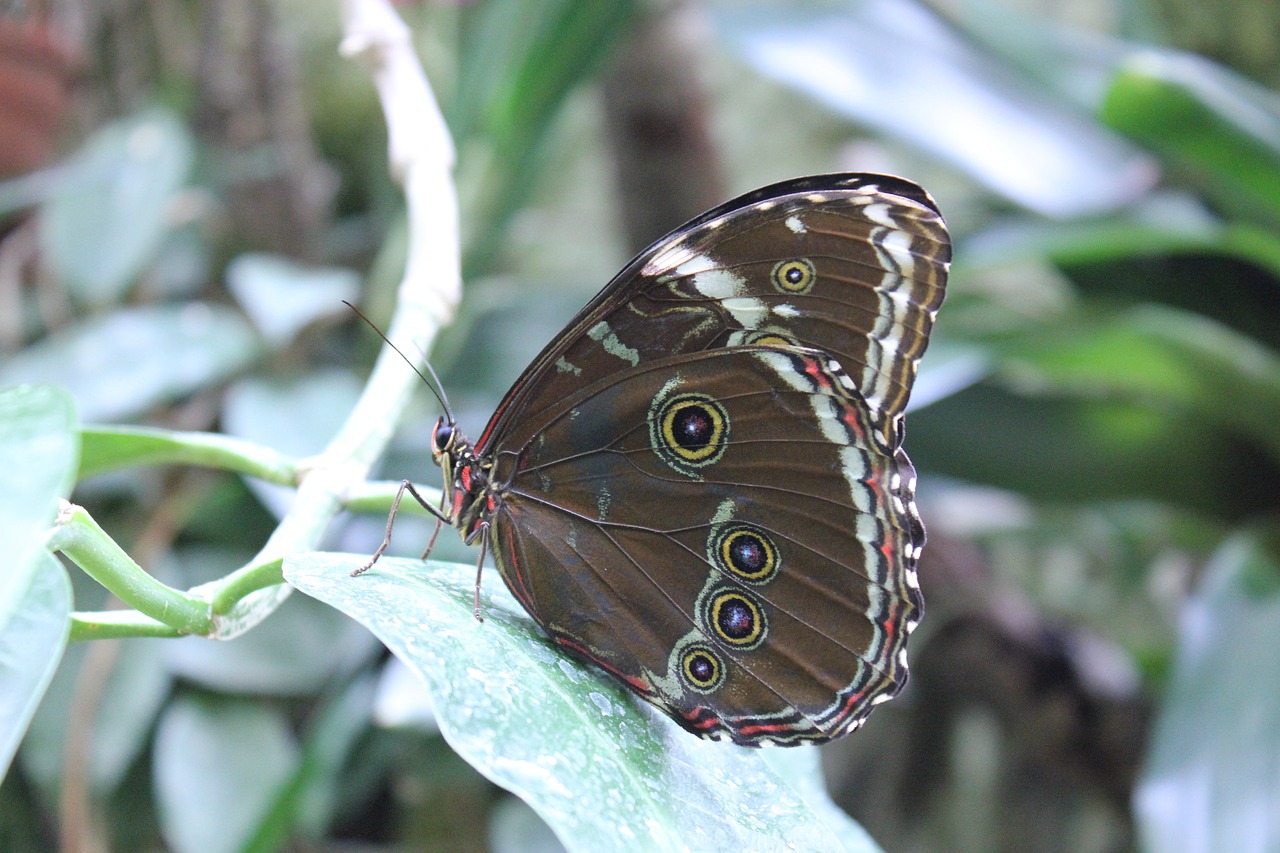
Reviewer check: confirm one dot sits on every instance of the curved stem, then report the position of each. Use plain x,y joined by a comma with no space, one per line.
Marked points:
77,535
422,158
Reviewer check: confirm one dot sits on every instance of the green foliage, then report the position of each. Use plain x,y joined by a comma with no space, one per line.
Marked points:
38,456
601,770
107,217
1210,772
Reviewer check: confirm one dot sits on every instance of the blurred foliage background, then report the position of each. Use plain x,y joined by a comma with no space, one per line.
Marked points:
191,189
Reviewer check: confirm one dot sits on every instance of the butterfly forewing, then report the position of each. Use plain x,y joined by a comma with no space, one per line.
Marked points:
853,265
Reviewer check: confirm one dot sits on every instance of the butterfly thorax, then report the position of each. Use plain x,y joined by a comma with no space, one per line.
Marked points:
469,489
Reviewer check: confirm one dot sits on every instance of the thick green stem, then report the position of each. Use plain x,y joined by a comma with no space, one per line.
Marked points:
245,581
107,448
79,537
117,624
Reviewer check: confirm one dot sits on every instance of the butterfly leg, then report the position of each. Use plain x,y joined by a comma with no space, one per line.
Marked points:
405,486
484,544
431,543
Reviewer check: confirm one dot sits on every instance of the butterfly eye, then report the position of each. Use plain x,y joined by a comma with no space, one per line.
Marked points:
442,437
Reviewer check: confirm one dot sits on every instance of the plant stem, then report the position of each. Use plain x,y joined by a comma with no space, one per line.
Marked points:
79,537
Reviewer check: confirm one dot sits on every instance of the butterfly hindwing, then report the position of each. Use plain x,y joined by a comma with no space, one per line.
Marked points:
724,532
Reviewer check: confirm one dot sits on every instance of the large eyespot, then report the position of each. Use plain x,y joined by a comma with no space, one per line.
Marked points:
794,276
689,431
744,550
701,669
734,617
442,437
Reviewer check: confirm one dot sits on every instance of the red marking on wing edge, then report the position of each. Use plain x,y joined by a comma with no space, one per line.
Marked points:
637,684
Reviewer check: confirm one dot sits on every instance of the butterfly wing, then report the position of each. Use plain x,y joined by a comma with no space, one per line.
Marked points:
850,264
726,532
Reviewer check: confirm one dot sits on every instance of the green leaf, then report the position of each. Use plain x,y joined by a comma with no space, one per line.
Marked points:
895,67
33,635
1223,128
219,764
109,216
136,687
520,62
1062,446
1211,780
803,771
38,449
317,792
522,58
282,297
294,414
601,769
136,690
1155,229
121,364
1169,360
1147,402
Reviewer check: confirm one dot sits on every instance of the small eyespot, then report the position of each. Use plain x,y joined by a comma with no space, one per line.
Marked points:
793,276
701,669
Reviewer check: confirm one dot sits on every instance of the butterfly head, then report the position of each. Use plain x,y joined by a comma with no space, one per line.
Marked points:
466,478
447,447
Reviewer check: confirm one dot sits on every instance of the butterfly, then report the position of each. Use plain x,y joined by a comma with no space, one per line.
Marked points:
699,485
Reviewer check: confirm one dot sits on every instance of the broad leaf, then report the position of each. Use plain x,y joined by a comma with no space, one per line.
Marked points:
38,451
111,212
1169,359
1211,780
895,67
296,415
136,687
283,297
219,765
119,365
600,769
1222,127
34,620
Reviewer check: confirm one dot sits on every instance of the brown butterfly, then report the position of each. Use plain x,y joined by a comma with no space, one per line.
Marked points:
699,485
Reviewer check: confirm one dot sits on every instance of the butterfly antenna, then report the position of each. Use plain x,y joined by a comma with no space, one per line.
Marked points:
441,396
437,389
